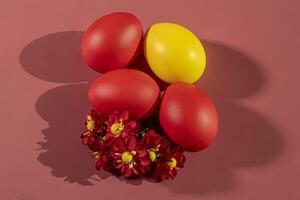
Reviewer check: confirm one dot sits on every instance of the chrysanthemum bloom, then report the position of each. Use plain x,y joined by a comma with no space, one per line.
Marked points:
93,121
120,124
98,150
91,138
94,140
167,167
95,144
130,158
103,160
94,127
156,145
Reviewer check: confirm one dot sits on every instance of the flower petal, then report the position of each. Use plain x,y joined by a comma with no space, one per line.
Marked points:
126,171
131,142
131,126
119,146
145,162
124,116
173,173
118,165
113,117
142,152
136,171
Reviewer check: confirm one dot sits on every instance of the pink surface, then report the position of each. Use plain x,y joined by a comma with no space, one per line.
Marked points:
252,75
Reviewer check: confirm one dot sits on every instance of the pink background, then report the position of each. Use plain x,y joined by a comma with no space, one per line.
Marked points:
252,75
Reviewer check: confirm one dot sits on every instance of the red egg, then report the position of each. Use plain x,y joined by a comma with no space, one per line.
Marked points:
124,90
188,117
112,41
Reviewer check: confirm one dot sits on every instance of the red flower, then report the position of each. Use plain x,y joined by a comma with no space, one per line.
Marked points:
118,148
86,136
94,127
93,121
103,160
119,124
95,144
156,145
130,158
98,151
167,167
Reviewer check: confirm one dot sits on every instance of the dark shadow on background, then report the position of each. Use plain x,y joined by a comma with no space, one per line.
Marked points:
56,57
65,108
246,139
229,73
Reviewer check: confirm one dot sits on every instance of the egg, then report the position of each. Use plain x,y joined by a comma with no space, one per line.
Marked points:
174,53
112,41
188,117
124,90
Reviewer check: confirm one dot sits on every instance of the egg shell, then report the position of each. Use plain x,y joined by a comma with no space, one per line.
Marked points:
112,41
188,117
174,53
124,90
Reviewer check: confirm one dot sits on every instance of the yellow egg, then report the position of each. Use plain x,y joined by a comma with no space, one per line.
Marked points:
174,53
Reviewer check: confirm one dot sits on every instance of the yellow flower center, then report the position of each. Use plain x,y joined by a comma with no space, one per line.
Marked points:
172,163
90,124
127,157
117,128
152,154
96,155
